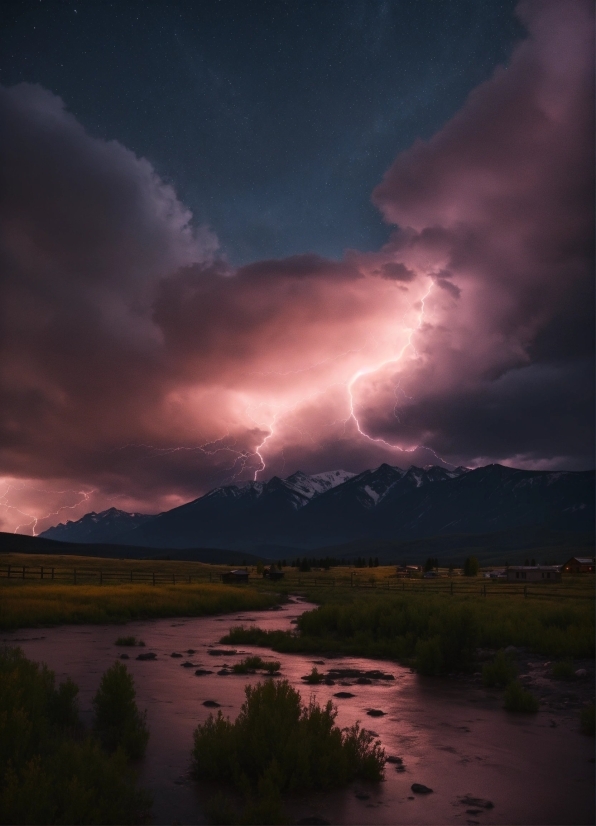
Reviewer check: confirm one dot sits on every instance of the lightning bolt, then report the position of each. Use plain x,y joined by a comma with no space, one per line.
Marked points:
34,520
367,371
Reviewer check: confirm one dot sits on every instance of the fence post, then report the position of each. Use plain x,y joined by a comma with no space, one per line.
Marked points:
154,577
131,574
52,573
101,577
189,579
451,587
75,576
525,590
23,572
8,574
173,579
41,568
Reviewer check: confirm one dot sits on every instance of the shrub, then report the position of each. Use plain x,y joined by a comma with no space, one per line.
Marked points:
118,721
279,741
47,774
129,641
499,672
587,720
563,670
251,664
518,699
315,677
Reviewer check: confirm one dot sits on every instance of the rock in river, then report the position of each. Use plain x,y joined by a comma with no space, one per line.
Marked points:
420,788
375,712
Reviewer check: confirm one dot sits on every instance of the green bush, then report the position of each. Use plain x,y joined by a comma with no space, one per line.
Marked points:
48,774
279,741
563,670
118,722
587,720
500,672
249,665
518,699
315,677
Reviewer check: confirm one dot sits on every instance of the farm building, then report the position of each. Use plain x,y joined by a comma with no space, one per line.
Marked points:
235,576
271,572
534,573
579,565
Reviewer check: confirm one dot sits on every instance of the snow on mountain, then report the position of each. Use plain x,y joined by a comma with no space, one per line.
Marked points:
311,486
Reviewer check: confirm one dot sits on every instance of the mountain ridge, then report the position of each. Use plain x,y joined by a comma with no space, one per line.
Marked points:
387,503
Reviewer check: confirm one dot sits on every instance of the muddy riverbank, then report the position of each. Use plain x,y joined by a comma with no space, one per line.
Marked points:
452,736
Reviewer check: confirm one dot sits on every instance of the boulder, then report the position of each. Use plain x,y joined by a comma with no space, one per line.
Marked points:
420,788
375,712
211,704
148,656
477,802
344,695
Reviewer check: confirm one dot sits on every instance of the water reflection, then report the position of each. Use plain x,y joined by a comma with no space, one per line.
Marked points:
453,738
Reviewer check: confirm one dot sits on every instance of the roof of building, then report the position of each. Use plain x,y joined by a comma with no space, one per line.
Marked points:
534,568
583,560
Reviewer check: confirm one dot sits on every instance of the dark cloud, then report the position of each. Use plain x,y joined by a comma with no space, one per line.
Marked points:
137,363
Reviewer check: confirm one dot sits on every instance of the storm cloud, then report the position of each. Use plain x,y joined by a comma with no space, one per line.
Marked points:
139,368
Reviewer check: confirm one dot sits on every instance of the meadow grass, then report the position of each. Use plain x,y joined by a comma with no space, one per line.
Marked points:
518,699
39,604
436,633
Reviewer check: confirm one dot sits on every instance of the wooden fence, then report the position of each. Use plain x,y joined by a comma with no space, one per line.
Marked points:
448,586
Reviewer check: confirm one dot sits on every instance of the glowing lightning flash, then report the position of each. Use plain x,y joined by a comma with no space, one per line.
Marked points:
367,371
34,520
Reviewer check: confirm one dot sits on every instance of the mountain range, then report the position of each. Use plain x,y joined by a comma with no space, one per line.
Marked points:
388,503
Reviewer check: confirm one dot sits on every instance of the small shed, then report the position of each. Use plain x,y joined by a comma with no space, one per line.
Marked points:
273,573
533,573
235,576
579,565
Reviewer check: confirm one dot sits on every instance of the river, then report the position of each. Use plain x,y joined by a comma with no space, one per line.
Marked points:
451,736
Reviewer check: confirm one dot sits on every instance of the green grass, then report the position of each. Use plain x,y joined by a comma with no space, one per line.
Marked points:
500,672
250,665
517,699
50,772
31,605
436,633
277,744
563,670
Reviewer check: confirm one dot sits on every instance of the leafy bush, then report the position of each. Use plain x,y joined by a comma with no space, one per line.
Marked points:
251,664
279,741
118,721
563,670
518,699
588,720
500,672
129,641
315,677
47,773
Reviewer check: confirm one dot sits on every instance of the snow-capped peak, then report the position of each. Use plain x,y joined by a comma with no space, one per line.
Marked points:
310,486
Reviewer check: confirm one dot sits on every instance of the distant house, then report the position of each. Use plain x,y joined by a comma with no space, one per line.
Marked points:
273,573
579,565
533,573
235,576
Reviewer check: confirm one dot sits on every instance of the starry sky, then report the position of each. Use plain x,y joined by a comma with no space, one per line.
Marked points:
241,239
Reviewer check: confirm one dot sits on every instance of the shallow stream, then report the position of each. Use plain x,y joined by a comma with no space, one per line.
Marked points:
454,738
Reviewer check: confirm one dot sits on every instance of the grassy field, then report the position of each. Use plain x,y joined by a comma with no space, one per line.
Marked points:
355,604
30,602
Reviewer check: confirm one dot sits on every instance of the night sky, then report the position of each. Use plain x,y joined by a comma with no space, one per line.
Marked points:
241,239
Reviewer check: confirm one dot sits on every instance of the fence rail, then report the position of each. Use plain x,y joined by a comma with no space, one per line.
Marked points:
450,586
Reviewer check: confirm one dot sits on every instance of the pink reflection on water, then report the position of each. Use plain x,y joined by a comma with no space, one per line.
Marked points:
454,738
